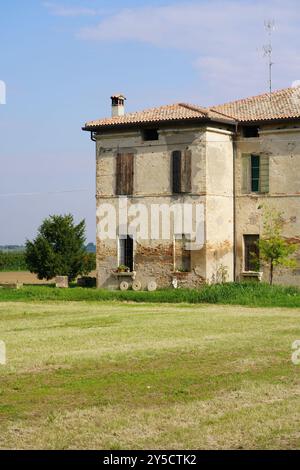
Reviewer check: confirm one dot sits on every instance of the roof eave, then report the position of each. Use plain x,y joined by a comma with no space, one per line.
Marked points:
269,120
101,127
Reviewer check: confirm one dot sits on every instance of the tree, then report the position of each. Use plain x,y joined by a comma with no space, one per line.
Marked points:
274,249
59,249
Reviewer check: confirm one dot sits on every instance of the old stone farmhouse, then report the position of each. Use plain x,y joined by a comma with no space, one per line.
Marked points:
231,160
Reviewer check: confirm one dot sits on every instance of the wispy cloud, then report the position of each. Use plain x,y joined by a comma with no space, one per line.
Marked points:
225,37
63,10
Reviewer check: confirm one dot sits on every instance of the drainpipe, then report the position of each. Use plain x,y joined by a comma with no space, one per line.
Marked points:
234,145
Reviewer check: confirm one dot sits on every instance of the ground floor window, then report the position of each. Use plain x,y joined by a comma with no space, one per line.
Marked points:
251,252
126,252
182,256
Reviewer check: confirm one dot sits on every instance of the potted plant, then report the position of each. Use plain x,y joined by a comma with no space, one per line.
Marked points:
182,270
123,269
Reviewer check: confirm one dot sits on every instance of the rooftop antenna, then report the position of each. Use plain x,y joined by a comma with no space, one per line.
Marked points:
268,49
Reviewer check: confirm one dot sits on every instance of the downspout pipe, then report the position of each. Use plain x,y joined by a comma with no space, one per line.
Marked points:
234,144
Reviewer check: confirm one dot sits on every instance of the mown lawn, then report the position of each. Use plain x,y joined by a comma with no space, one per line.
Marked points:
250,294
124,376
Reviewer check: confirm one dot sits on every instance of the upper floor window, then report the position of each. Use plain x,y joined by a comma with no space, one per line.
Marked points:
124,174
150,134
250,131
255,173
181,171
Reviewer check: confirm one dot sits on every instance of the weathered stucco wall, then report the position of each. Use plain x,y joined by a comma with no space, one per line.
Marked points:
283,148
154,259
219,205
213,157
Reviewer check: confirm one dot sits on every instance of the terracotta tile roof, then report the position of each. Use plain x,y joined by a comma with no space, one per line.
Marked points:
173,112
281,104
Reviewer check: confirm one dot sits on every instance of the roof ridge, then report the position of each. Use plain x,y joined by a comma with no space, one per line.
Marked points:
222,114
261,95
194,107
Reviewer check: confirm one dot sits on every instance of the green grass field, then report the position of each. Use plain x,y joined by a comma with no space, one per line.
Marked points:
251,294
123,376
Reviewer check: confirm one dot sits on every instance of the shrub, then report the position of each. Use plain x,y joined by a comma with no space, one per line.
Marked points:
59,249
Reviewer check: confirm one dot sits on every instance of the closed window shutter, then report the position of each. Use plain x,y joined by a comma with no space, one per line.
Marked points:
119,174
176,171
246,173
128,173
264,174
124,174
186,172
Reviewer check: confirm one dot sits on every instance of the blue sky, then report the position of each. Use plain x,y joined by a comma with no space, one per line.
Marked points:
62,60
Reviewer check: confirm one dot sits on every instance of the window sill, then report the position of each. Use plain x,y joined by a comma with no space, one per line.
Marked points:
180,273
125,274
255,194
256,274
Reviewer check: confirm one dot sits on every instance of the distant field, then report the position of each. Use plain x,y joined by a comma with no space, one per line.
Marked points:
21,276
148,376
12,261
25,277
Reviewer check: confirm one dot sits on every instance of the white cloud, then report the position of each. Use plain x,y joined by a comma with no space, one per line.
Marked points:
62,10
225,37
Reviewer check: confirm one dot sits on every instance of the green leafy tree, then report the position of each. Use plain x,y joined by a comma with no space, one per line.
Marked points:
274,249
59,249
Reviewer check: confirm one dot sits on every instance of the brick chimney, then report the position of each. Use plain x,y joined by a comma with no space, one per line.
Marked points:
118,105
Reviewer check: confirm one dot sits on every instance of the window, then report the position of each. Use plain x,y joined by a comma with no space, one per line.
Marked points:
250,131
150,134
182,256
255,173
124,174
181,171
176,171
251,252
126,252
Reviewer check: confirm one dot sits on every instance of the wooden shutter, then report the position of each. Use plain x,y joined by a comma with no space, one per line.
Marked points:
128,173
264,174
246,173
119,174
124,174
186,172
176,171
